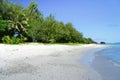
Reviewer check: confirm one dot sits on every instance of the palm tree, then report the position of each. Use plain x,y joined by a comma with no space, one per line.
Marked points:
19,24
17,20
32,11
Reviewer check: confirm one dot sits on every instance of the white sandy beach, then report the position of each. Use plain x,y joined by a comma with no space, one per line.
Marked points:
45,62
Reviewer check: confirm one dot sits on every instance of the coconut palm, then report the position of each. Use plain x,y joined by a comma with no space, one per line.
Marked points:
17,20
19,24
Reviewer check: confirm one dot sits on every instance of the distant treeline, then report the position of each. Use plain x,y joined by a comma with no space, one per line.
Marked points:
18,25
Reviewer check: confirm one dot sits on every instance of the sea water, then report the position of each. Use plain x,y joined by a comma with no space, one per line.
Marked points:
107,62
112,53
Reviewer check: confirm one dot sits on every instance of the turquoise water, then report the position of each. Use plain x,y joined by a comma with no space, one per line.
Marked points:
112,53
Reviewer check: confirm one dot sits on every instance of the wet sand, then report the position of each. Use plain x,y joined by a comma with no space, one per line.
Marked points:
106,68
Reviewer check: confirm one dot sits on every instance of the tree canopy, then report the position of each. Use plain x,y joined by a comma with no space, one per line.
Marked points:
29,24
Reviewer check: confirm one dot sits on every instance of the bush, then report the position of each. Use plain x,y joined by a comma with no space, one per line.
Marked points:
7,40
13,40
22,38
52,40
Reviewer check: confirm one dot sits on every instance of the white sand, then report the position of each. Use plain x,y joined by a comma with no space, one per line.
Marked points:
45,62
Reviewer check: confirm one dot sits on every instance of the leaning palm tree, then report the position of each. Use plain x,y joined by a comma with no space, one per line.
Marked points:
17,20
19,24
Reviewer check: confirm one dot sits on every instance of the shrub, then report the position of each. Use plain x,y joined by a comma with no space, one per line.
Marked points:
22,38
7,40
52,40
13,40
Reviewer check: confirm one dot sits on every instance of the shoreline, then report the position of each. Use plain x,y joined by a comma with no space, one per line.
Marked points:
106,68
88,57
45,62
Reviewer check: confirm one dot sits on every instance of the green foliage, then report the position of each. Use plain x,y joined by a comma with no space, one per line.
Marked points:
32,11
52,40
3,28
35,29
74,35
30,22
3,25
13,40
22,39
18,22
13,14
7,40
87,40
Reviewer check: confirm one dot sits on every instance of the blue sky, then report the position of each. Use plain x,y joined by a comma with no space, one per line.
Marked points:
98,19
